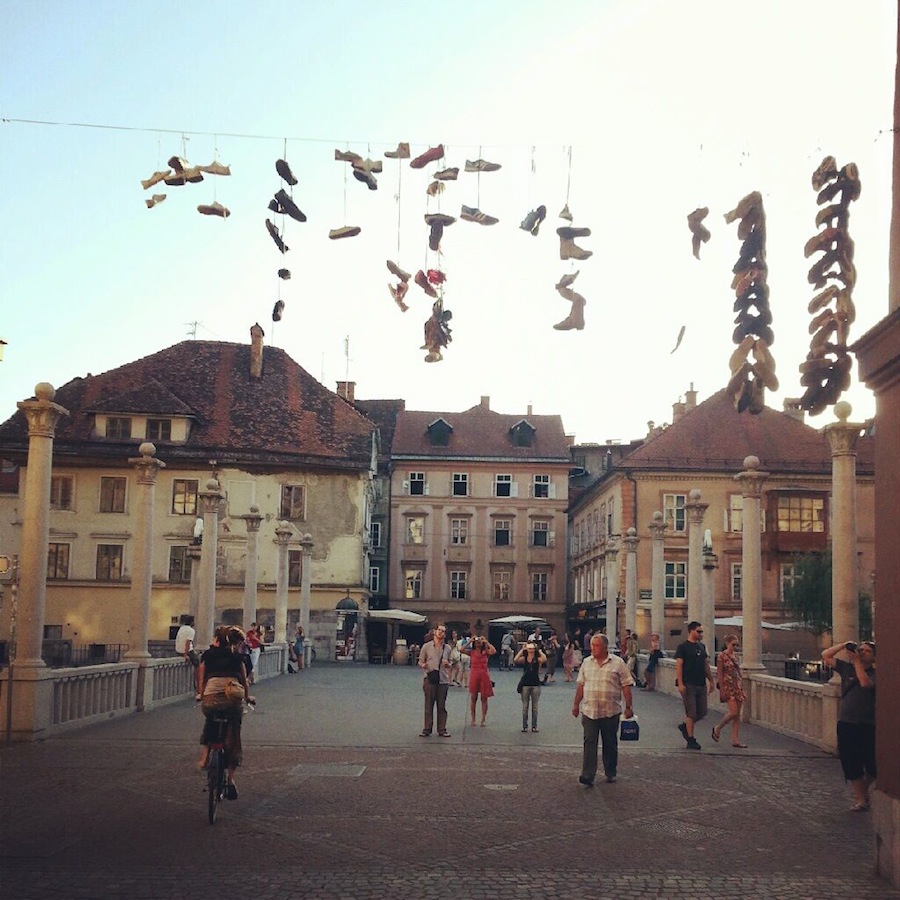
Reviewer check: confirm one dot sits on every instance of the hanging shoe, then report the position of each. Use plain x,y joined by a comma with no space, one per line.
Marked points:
215,168
402,152
447,174
284,274
176,179
473,214
347,156
368,165
435,276
367,178
398,293
567,280
434,237
699,232
284,172
394,269
287,205
435,188
567,246
565,214
532,222
155,178
193,175
439,218
575,319
155,200
277,310
214,209
481,165
273,231
345,232
428,156
177,163
422,282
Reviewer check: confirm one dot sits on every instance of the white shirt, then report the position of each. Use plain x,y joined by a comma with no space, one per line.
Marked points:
185,633
603,683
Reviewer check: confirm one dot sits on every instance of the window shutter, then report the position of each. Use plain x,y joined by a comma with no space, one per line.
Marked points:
405,486
551,490
551,538
427,490
514,489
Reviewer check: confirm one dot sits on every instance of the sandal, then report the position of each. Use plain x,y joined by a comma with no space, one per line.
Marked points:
859,807
740,746
715,735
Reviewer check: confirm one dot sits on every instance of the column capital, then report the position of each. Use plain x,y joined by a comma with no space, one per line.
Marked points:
696,508
657,526
611,549
751,479
253,519
284,531
147,466
42,413
631,540
211,496
710,560
306,542
842,435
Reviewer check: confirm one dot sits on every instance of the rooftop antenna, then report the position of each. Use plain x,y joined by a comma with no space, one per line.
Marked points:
347,367
192,329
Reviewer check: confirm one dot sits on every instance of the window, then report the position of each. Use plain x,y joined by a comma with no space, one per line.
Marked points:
109,562
541,486
673,511
459,531
502,532
413,589
676,580
503,486
415,529
184,496
118,427
374,579
540,534
458,585
293,502
803,514
179,565
417,483
539,587
295,568
502,582
61,491
787,577
9,477
112,494
460,486
375,535
734,513
58,561
736,577
159,429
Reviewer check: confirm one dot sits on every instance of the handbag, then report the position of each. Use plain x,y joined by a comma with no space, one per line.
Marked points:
519,685
434,676
629,730
222,693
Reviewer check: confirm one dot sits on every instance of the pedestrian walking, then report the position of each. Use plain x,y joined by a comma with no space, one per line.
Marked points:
299,646
454,658
254,641
569,659
553,651
480,684
631,654
856,715
465,663
656,655
507,650
434,661
692,673
603,683
731,690
531,659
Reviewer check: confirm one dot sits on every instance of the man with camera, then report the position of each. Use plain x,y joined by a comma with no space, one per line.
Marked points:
603,682
434,661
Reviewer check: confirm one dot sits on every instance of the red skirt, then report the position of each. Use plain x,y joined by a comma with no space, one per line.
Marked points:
480,683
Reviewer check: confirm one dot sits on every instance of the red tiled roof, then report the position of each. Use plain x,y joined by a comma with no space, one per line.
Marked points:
480,432
715,437
284,417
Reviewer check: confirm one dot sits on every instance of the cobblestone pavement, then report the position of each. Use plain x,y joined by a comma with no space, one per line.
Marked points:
339,797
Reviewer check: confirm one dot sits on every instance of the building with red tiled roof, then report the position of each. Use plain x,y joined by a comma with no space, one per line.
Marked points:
704,448
478,521
273,435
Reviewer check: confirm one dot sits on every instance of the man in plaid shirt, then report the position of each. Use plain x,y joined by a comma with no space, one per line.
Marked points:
603,681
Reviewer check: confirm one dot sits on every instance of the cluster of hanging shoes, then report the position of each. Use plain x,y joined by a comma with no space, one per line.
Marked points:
568,249
179,173
282,204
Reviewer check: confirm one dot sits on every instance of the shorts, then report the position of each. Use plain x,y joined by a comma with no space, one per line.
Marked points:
695,704
856,748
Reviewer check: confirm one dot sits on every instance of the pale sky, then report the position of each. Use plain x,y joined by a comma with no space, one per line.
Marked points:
661,107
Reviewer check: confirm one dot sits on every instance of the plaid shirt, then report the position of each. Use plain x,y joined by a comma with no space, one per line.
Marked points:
603,683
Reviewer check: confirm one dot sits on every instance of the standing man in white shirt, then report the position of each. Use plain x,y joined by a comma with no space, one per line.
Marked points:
184,645
603,682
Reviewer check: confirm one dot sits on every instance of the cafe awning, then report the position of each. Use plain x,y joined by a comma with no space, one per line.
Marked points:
397,615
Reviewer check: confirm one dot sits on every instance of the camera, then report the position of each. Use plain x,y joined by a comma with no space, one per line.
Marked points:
851,646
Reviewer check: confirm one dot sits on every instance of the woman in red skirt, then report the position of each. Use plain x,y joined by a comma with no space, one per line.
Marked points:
479,651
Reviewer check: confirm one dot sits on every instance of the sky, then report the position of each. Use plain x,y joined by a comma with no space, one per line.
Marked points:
632,112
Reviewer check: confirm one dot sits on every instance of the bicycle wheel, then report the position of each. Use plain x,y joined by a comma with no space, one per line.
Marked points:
215,774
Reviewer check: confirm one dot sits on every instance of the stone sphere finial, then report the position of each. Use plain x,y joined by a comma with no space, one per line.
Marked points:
631,532
254,510
657,516
147,449
695,494
842,410
751,462
212,484
43,390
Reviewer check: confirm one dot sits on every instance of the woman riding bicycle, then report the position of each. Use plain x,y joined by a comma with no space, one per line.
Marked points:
222,660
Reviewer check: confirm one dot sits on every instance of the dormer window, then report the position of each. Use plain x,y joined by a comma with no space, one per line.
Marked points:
439,432
159,429
118,427
522,434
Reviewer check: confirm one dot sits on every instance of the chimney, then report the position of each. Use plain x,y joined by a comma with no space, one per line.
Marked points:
529,410
690,398
347,390
678,410
485,402
794,410
256,351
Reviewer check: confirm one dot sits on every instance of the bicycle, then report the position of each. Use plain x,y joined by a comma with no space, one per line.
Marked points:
217,767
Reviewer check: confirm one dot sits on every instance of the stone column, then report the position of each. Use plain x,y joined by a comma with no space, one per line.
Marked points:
306,546
751,481
253,520
147,469
283,534
206,599
612,595
42,414
631,541
708,609
842,437
194,553
696,510
658,578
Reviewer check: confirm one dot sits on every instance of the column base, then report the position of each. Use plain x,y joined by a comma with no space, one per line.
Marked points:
886,825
